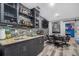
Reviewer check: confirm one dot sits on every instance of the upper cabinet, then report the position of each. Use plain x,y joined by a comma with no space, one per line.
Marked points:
24,10
0,11
10,13
18,14
24,15
12,5
35,12
35,20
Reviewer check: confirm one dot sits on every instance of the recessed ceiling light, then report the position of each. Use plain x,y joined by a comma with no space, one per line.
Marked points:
51,4
56,14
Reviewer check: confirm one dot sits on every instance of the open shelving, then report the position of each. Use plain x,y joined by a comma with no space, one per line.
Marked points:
24,15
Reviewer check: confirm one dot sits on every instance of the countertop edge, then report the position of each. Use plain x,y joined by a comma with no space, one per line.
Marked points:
4,42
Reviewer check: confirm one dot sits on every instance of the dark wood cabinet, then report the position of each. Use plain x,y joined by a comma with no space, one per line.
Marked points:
0,11
18,49
10,13
23,49
13,13
26,48
24,10
35,20
11,50
36,46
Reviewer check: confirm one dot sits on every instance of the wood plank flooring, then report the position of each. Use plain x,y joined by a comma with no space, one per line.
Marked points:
51,50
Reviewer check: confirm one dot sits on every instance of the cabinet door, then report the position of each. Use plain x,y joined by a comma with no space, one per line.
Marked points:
23,49
11,50
19,49
40,44
1,51
35,46
31,47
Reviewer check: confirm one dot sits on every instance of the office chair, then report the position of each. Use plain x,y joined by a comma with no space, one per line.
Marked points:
66,40
56,41
50,39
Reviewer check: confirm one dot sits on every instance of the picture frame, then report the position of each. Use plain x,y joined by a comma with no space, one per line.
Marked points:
56,27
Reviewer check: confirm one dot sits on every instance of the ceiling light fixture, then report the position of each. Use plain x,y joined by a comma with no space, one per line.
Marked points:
56,16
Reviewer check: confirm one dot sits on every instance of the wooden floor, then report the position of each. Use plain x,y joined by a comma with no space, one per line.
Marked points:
51,50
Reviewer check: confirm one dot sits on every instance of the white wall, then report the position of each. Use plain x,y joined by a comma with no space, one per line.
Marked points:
62,28
50,28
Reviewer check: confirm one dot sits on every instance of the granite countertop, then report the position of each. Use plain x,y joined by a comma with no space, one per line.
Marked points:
17,39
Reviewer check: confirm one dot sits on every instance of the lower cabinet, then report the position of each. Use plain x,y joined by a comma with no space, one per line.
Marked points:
26,48
36,46
23,49
11,50
19,49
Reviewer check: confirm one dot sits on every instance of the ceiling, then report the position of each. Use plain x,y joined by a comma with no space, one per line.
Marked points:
58,11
